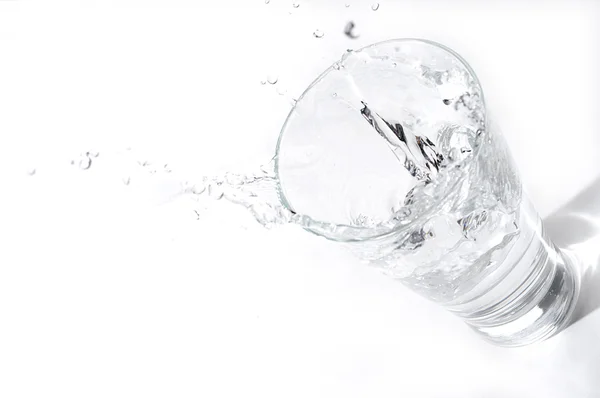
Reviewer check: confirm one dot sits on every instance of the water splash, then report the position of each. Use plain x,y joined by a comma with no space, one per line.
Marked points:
418,154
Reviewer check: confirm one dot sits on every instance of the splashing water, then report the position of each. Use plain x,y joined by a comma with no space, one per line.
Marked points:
438,224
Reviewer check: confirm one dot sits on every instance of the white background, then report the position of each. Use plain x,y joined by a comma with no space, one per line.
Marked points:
114,290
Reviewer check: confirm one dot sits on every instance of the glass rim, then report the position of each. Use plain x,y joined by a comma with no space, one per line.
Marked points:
376,234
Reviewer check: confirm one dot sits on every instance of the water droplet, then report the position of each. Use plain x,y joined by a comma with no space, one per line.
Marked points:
93,153
293,101
337,66
347,5
263,82
126,180
267,1
349,30
281,91
446,102
31,171
85,162
318,34
375,6
295,5
394,64
272,79
334,95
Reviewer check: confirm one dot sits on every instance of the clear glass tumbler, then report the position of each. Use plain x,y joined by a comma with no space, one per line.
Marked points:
391,151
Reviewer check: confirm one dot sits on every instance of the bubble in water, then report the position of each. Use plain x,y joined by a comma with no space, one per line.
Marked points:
295,5
272,79
318,34
375,6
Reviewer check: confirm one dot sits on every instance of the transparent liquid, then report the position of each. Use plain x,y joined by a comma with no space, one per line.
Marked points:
457,212
412,178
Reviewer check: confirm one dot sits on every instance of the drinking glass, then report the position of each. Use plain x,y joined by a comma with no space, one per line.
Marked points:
392,152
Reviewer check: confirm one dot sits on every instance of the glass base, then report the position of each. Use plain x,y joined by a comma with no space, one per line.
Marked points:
542,306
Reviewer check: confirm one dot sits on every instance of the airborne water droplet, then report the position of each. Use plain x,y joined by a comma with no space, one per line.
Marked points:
375,6
267,1
318,34
347,5
85,162
31,172
126,180
349,30
272,79
295,5
281,91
